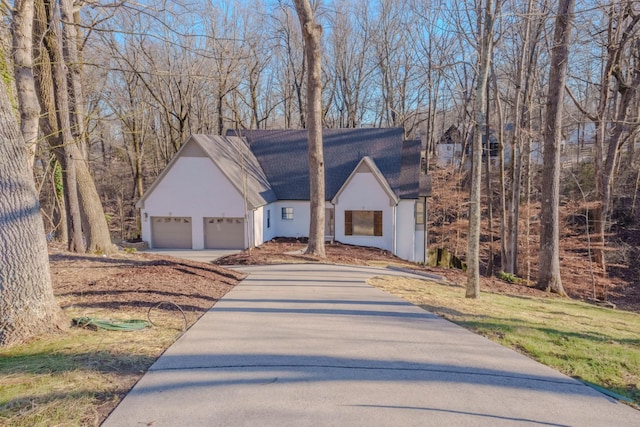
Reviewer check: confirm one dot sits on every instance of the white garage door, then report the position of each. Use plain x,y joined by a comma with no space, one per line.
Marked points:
171,232
224,233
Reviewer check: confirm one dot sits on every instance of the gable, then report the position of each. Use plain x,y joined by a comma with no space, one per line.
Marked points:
231,157
364,184
192,149
187,184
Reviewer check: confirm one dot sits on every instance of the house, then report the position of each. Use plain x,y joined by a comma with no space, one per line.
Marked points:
449,148
241,190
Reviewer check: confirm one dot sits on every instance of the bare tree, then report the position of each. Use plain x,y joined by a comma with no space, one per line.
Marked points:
312,34
290,68
27,304
486,18
84,207
549,271
350,42
616,120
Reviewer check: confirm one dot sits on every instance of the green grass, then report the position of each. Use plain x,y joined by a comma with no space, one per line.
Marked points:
595,344
76,377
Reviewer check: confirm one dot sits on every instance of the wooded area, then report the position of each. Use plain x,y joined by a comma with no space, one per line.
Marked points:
106,93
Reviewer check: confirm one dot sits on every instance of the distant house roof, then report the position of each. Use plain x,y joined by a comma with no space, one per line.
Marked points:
283,157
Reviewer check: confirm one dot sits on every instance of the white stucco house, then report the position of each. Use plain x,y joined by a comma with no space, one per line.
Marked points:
235,192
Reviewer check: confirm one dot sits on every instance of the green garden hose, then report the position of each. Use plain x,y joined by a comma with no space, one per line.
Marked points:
109,325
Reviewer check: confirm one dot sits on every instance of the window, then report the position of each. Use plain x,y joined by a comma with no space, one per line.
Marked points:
363,223
287,213
268,218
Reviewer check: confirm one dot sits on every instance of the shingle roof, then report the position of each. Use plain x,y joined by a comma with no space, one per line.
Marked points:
283,157
410,170
234,158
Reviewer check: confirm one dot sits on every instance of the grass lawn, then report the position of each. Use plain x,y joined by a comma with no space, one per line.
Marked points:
597,345
75,378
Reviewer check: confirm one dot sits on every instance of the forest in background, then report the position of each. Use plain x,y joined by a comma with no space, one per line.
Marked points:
138,78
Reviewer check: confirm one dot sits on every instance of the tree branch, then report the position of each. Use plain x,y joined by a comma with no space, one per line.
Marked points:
6,4
579,106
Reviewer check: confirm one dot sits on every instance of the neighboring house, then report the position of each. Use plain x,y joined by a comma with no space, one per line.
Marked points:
236,192
449,148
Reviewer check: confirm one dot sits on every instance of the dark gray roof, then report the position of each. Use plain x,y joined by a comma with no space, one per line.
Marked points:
234,158
283,157
410,170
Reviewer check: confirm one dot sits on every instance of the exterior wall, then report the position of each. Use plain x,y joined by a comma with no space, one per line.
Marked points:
268,227
296,227
448,154
258,219
405,229
364,193
194,187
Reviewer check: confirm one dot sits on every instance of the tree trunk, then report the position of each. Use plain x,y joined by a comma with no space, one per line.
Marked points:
312,33
484,61
549,266
624,125
489,189
60,97
503,189
97,229
27,304
72,58
22,30
84,207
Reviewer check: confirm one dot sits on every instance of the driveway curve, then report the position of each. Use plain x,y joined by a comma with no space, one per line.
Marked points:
314,345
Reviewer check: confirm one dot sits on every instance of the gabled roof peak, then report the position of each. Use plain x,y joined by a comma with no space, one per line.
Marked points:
367,164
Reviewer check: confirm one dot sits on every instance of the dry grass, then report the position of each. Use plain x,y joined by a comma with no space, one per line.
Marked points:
75,378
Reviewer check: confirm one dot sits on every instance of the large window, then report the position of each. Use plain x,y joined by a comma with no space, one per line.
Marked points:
287,213
363,223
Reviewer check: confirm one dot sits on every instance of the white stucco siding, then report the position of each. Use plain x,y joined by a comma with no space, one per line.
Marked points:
364,193
298,226
405,229
257,219
194,187
268,222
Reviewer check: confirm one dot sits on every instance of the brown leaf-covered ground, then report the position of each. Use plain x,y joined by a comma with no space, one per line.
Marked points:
137,281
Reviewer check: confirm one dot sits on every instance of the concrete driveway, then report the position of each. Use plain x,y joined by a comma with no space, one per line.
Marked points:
205,255
314,345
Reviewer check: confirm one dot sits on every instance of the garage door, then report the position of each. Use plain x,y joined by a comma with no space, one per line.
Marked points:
171,232
224,233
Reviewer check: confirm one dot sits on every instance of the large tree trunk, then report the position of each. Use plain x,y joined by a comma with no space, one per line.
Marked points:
27,304
549,266
312,33
479,107
22,30
70,157
96,227
72,58
84,207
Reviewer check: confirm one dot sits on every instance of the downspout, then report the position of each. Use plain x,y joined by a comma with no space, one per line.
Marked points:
333,237
395,228
424,237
